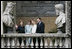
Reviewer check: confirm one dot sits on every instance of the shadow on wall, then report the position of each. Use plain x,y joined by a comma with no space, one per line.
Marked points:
54,30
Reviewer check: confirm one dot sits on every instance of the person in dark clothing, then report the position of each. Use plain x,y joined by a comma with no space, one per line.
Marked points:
40,29
20,29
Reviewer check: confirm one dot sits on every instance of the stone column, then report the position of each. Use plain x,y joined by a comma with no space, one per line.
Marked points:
68,17
68,21
14,14
1,17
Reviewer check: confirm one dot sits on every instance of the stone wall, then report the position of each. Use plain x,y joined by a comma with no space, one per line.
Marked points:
26,10
49,22
36,8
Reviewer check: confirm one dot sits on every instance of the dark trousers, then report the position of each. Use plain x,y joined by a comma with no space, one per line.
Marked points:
39,41
20,40
34,41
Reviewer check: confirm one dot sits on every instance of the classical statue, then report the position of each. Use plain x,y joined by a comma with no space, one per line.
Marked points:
7,16
60,20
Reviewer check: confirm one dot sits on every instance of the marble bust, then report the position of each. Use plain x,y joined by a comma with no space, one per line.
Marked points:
7,14
60,20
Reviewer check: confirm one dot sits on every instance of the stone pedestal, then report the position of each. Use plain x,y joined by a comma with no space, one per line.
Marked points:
59,31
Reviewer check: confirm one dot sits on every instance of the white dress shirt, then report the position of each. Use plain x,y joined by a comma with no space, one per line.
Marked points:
34,27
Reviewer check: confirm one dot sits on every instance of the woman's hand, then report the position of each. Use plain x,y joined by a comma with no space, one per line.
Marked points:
16,26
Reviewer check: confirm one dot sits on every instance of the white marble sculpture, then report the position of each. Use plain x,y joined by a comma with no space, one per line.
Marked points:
60,20
7,14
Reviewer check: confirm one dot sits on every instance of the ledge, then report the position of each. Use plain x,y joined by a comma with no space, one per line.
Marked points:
34,35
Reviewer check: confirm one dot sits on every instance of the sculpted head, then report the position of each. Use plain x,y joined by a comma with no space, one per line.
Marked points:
58,8
10,4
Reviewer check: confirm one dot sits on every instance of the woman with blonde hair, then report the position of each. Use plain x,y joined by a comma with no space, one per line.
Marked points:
34,28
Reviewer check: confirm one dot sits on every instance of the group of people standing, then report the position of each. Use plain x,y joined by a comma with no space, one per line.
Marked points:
31,27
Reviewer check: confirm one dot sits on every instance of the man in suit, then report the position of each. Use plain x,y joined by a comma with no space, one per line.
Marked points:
40,29
40,26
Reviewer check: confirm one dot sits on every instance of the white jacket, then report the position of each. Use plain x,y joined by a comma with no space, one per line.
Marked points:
34,27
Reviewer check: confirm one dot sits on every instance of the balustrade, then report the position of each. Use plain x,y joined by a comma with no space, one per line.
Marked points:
56,40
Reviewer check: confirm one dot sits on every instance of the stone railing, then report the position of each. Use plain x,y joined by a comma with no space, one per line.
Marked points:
51,40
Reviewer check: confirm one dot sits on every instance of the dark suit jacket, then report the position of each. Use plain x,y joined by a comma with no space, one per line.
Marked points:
20,29
40,28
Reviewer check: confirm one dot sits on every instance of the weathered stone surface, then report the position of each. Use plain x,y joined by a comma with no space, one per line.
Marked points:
34,35
68,17
38,8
